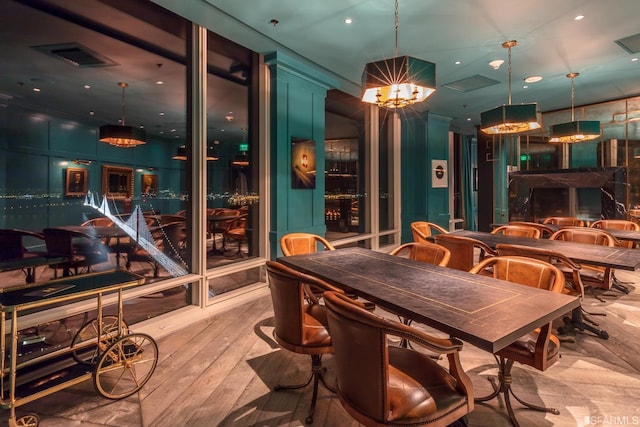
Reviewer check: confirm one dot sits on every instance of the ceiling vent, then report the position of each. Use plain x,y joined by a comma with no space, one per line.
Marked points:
471,83
75,54
631,44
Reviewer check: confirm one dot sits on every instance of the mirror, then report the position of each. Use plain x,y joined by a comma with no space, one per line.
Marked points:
117,182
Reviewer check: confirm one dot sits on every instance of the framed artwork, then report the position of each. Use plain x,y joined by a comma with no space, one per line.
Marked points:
117,182
303,163
439,176
149,184
76,182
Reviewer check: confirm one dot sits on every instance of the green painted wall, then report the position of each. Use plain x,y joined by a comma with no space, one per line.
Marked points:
298,95
425,137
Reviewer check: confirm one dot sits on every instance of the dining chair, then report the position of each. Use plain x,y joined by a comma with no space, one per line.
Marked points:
300,321
573,285
78,250
564,220
303,243
518,230
539,348
463,250
592,275
545,231
237,231
380,384
167,238
422,230
428,252
618,224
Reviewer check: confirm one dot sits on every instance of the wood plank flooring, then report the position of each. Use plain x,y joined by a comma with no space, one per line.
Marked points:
220,371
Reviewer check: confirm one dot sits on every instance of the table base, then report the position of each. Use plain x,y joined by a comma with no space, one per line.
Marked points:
504,386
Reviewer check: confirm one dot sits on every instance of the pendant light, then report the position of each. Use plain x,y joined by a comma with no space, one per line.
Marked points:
399,81
122,135
575,131
509,119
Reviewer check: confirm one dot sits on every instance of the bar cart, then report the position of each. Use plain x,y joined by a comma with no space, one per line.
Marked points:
104,350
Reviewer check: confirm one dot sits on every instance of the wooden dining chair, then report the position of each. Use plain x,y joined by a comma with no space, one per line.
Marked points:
592,275
538,349
428,252
464,250
564,220
380,384
545,231
423,230
618,224
518,230
300,321
79,250
303,243
579,320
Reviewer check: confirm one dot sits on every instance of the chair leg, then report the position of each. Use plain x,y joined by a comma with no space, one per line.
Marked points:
504,387
317,376
577,322
620,285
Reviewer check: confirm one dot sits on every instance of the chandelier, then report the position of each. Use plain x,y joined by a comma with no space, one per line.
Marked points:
122,135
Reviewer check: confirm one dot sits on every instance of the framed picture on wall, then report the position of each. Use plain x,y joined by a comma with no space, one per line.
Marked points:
303,163
117,182
76,182
149,184
439,176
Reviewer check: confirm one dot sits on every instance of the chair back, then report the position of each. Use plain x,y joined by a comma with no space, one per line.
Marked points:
564,220
430,253
11,246
523,270
422,230
98,222
299,327
615,224
566,265
173,235
463,250
517,230
303,243
545,231
592,236
59,242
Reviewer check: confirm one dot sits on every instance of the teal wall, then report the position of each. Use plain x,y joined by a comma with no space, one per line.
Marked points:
298,95
425,137
35,151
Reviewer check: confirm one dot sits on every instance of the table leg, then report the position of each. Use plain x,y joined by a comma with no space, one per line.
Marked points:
503,386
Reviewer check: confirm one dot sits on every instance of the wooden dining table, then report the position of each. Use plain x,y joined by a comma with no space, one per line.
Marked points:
582,253
485,312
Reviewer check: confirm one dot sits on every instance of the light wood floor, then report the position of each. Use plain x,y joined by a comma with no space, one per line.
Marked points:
220,371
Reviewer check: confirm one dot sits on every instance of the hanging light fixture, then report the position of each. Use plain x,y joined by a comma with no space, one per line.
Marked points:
399,81
575,131
181,153
122,135
508,119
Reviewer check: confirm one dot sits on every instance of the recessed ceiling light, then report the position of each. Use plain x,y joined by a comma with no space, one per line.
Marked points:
159,82
634,59
496,63
532,79
348,20
87,86
468,119
525,87
458,62
578,18
161,113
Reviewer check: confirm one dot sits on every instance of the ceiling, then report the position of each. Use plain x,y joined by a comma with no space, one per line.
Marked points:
550,43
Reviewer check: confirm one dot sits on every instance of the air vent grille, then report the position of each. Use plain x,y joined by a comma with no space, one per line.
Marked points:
471,83
75,54
631,44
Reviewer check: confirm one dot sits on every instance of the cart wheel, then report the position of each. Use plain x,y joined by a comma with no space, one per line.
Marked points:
125,366
28,420
88,354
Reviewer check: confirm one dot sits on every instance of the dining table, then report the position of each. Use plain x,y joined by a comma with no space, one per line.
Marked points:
485,312
582,253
